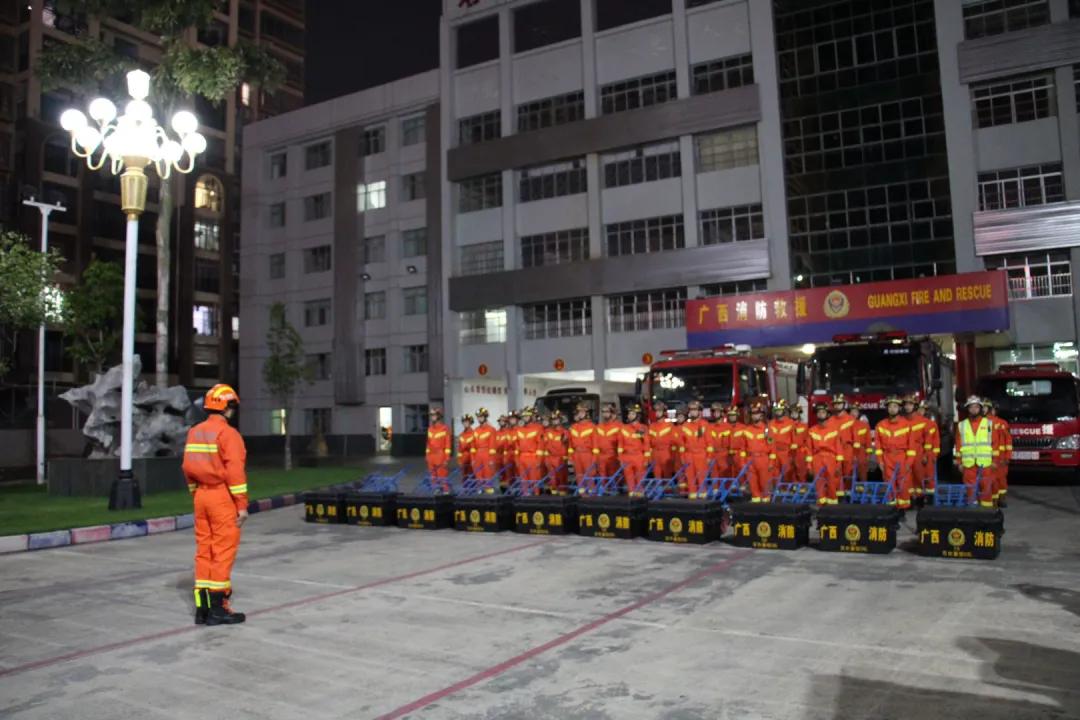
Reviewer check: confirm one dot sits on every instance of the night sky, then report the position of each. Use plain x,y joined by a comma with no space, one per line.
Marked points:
356,44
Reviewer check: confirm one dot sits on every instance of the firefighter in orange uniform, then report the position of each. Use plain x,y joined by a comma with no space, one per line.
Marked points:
861,446
719,442
437,454
513,424
976,453
846,427
824,453
735,444
214,458
920,465
634,449
801,440
607,440
1004,448
528,446
694,448
661,440
556,444
583,450
894,451
500,451
932,449
465,446
782,431
676,449
758,449
484,447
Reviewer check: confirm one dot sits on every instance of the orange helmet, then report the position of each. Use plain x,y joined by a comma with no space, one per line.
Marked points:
220,397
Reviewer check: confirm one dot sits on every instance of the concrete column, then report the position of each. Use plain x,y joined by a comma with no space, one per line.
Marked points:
682,48
1074,261
1068,130
596,225
515,389
588,55
689,191
1059,11
599,336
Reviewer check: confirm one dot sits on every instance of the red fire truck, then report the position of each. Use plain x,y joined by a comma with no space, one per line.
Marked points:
1040,403
727,374
868,368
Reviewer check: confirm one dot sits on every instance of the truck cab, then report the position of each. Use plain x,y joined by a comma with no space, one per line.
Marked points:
1041,403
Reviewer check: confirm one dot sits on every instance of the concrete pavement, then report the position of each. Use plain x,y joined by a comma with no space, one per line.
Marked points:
349,622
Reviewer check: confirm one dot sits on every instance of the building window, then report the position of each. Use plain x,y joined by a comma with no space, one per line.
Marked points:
375,305
416,358
551,111
651,235
375,361
613,13
477,42
413,186
726,149
207,276
1013,100
277,266
209,194
732,224
317,421
546,23
416,419
482,327
413,130
722,74
277,215
479,128
319,366
374,249
1035,275
1064,354
317,259
554,180
317,207
277,421
414,300
645,163
414,242
279,165
373,141
638,92
555,248
993,17
371,196
654,310
204,320
740,287
316,313
1021,187
207,235
480,193
566,318
317,155
697,3
481,258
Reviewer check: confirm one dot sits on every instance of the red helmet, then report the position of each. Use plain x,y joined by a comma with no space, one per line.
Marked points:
220,397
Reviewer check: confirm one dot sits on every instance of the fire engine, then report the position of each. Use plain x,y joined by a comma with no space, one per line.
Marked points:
869,368
726,374
1039,401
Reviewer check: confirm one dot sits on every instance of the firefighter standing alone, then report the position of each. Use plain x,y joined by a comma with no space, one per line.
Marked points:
214,458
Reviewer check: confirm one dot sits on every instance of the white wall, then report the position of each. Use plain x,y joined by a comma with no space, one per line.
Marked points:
640,49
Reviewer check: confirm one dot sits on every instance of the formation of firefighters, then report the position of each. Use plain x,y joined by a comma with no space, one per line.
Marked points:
772,445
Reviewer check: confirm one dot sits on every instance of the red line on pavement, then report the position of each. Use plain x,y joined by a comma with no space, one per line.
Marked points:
499,669
78,654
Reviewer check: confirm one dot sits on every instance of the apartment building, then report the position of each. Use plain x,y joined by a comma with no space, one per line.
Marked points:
341,223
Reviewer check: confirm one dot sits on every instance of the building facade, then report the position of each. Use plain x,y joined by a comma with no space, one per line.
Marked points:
35,158
341,222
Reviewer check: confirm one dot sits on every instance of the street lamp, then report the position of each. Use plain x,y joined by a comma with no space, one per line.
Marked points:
130,143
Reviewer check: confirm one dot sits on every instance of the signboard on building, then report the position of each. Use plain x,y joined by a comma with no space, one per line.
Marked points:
969,302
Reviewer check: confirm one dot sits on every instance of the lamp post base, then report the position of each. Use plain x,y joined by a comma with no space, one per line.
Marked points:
124,493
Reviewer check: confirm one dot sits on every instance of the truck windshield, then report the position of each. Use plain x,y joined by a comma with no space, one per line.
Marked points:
679,385
566,403
867,368
1031,400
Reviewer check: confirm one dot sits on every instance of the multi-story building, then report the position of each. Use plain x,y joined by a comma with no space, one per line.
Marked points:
35,159
341,223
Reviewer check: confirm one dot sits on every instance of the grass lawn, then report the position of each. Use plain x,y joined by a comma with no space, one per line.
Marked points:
27,508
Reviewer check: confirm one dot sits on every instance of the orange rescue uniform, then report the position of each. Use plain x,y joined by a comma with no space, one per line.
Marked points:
1002,439
825,457
583,450
664,444
846,428
528,445
634,453
720,448
861,448
757,449
786,445
694,451
607,442
485,442
895,454
465,451
556,440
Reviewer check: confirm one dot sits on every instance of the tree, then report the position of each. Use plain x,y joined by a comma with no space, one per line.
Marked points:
286,368
94,314
25,297
185,71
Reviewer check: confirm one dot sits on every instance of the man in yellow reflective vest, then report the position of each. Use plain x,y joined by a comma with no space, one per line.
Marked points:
975,452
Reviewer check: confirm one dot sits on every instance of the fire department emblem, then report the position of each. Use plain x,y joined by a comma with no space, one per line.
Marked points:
676,525
956,537
474,517
538,518
852,533
603,521
837,305
764,530
364,511
414,514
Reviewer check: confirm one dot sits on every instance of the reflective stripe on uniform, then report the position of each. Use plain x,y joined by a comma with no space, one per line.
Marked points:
201,448
238,489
